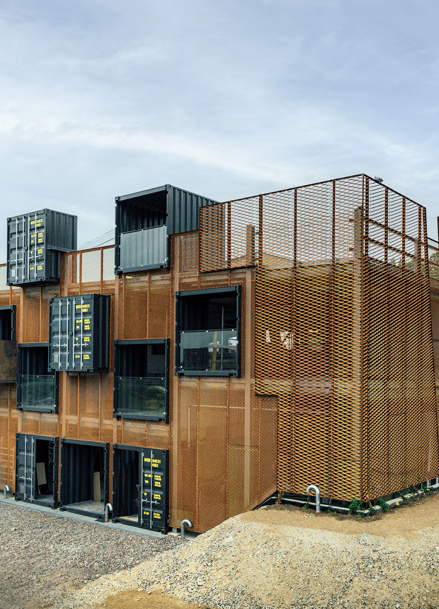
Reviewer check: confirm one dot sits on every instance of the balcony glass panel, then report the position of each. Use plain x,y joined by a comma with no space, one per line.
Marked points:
38,391
211,350
142,396
144,248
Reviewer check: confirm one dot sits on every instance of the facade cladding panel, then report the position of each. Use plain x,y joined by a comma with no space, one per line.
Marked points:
336,381
343,331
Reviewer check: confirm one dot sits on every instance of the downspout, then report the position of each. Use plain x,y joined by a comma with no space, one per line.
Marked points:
6,490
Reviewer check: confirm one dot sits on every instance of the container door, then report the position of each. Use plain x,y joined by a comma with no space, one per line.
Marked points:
154,514
25,468
17,250
37,244
82,333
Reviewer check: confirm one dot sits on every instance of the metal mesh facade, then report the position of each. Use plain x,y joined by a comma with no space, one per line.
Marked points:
343,330
221,436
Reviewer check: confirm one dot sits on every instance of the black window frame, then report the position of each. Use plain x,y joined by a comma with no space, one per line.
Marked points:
51,409
117,366
229,290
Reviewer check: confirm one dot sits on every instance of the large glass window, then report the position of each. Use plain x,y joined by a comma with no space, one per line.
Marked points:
37,388
208,332
141,379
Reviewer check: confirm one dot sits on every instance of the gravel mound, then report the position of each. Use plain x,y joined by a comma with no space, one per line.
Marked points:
43,556
279,559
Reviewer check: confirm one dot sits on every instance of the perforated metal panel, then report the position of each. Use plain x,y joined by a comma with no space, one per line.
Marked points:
343,330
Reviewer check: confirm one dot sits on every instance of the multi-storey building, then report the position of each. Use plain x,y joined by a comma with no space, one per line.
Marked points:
220,352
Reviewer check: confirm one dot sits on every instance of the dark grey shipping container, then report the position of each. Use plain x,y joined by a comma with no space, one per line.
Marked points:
36,469
35,242
144,221
79,333
140,487
84,477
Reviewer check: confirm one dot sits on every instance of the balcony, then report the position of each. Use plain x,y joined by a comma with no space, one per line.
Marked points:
144,249
212,351
38,392
141,397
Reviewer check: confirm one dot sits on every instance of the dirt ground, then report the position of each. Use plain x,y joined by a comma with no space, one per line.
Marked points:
145,600
282,557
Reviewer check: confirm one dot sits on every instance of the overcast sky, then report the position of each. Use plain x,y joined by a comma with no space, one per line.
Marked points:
224,98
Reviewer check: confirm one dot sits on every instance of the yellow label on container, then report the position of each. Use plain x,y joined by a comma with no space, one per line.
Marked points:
39,268
155,515
157,497
86,357
147,459
156,460
86,327
86,339
31,268
77,356
40,241
40,251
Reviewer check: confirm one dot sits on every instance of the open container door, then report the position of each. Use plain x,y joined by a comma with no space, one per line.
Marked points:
84,477
140,487
36,470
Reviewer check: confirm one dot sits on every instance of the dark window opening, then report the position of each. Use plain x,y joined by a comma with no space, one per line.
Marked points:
37,387
141,379
208,332
7,323
8,346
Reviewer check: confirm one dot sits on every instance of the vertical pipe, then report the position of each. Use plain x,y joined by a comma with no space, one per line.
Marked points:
364,344
229,235
227,514
197,485
404,340
260,231
293,398
387,345
332,456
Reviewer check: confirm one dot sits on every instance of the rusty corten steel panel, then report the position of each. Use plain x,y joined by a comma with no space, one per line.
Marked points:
343,330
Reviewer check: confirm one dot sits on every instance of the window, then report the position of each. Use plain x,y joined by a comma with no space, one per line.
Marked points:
8,346
7,323
141,379
37,388
208,332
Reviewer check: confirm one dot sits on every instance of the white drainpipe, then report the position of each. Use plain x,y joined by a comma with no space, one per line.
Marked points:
108,508
313,487
189,524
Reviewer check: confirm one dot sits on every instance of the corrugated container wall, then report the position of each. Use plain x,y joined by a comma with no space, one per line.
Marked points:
35,241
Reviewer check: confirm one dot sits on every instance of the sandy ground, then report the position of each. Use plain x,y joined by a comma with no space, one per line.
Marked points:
278,557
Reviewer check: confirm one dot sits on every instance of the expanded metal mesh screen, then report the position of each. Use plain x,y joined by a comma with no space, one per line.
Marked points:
343,330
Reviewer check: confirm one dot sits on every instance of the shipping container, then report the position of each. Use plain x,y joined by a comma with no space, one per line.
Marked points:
36,469
79,333
35,242
140,487
146,219
141,379
84,477
37,386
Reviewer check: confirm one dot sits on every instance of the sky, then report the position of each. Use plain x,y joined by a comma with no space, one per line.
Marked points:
100,98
